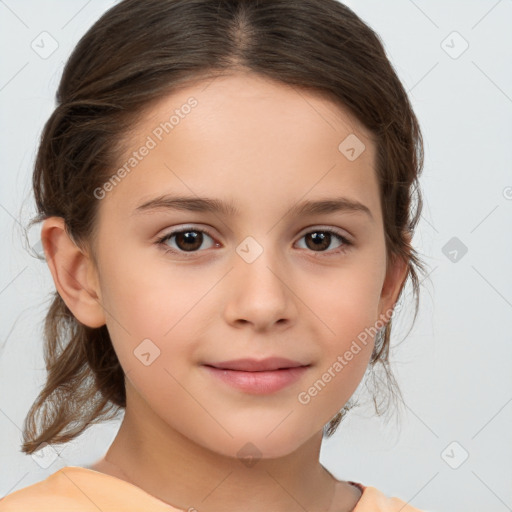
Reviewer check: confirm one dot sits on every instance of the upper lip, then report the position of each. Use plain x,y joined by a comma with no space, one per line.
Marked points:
257,365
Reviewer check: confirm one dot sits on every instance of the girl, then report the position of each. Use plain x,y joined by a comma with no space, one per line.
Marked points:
274,139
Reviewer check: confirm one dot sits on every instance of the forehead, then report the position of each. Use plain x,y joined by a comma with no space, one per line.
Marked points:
241,136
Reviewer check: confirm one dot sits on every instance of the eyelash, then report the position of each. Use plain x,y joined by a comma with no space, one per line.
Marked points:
347,244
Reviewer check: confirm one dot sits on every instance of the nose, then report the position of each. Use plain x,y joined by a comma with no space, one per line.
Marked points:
260,293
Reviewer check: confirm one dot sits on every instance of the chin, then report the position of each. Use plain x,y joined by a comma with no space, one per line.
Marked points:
252,444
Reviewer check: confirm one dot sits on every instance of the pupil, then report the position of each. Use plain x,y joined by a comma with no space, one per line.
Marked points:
319,239
189,237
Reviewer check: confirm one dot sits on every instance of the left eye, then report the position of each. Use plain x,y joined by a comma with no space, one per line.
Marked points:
191,239
322,238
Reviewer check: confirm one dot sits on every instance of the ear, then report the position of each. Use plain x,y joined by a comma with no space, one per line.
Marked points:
74,273
396,275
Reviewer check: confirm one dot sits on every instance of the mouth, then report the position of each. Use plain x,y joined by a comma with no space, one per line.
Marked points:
258,365
258,377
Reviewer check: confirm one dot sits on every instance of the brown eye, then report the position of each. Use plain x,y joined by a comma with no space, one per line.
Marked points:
186,240
321,239
318,240
189,240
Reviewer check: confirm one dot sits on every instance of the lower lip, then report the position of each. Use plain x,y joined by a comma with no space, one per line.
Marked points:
259,383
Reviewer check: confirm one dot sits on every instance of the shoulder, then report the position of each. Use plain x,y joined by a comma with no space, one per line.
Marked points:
66,490
77,489
36,497
374,500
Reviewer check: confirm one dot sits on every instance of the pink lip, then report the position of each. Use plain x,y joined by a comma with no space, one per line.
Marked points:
257,365
273,374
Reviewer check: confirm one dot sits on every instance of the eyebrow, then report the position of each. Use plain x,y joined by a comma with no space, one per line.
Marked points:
205,204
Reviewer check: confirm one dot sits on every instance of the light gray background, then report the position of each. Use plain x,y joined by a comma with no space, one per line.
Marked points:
453,368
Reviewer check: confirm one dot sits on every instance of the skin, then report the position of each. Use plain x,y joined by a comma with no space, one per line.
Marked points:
265,146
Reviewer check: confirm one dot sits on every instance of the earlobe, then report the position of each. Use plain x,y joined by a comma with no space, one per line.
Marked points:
73,273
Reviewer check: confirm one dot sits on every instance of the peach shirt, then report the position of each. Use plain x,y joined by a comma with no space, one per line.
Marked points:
77,489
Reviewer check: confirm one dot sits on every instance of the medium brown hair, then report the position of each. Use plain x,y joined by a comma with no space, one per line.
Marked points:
135,54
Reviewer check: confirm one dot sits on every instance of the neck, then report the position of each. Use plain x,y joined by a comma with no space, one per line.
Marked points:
174,469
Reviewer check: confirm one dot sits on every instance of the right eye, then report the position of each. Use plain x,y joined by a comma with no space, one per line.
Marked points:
186,240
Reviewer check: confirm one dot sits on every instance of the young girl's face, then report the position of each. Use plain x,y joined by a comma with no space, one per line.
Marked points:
266,281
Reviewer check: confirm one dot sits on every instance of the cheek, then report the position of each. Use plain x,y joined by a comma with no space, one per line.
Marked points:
154,319
345,304
346,301
151,299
